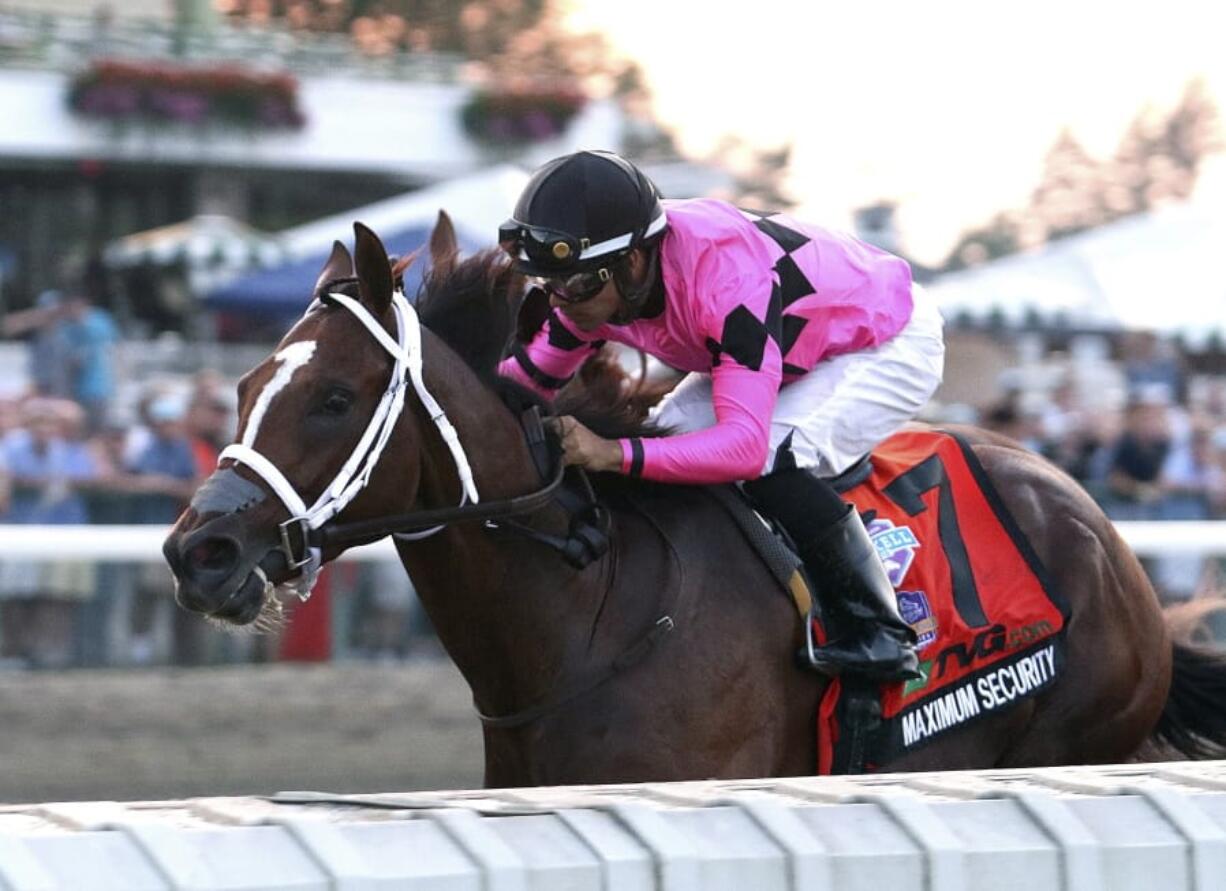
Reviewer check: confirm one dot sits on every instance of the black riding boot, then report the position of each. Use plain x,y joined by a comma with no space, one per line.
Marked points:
879,644
842,562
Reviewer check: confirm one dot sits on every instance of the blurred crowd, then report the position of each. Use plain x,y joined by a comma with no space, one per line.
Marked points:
1156,451
72,452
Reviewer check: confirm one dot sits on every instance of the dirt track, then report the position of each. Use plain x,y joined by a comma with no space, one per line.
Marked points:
164,733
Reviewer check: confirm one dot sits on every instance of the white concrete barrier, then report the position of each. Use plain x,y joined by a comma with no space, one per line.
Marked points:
138,543
1120,828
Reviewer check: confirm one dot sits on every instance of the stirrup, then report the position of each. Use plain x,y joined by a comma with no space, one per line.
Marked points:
807,656
811,656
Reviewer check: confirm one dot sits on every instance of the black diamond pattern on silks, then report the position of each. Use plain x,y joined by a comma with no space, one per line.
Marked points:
774,313
714,348
792,326
785,458
744,338
560,336
788,239
792,281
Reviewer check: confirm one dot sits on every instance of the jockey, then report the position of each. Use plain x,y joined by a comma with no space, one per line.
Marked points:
805,349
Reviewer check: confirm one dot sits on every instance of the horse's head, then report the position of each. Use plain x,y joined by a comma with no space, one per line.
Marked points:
314,438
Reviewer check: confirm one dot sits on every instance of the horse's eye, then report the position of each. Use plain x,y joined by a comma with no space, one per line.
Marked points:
337,403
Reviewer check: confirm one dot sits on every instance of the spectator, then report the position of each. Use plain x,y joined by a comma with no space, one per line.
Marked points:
1217,489
1135,461
48,360
10,415
1068,432
209,426
99,633
39,602
1148,360
50,351
91,334
166,464
166,475
1190,475
1009,419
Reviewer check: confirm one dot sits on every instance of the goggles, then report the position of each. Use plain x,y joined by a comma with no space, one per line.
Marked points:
577,288
543,247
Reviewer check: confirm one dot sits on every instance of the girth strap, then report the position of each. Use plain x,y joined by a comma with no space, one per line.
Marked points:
631,657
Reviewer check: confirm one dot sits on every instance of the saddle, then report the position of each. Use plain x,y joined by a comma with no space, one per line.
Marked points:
988,620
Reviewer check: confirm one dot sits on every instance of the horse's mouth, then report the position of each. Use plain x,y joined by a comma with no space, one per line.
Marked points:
243,605
219,580
246,603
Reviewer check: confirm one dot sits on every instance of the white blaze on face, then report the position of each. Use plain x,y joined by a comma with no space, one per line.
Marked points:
291,358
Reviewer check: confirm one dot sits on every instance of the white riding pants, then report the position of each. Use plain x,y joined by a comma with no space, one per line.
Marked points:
846,405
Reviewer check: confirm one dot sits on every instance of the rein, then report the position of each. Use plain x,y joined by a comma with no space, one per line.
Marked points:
655,635
345,534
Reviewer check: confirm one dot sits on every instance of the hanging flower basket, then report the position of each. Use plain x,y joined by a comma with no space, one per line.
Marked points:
151,92
523,115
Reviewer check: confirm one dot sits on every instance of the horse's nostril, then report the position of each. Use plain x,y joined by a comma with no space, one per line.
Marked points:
213,555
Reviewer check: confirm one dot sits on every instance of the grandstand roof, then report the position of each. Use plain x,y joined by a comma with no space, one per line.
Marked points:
1158,271
476,204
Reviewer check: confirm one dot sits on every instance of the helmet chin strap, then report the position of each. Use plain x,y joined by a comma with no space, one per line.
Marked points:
634,295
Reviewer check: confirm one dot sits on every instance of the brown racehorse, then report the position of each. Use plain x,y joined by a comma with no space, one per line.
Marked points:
571,650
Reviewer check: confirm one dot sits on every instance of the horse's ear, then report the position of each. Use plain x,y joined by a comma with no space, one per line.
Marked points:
443,245
373,268
530,316
339,265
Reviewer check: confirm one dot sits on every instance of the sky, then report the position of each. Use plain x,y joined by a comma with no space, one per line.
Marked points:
946,107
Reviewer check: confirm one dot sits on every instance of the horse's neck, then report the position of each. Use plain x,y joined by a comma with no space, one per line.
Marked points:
499,604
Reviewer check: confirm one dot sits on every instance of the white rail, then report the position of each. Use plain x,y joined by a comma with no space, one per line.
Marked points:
116,544
1118,828
141,543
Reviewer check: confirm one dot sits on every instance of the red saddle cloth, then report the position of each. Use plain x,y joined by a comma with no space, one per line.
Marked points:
988,619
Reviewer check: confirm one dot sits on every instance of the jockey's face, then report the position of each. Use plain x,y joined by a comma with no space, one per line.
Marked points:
590,314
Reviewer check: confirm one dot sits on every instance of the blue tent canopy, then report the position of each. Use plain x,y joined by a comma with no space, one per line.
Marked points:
284,290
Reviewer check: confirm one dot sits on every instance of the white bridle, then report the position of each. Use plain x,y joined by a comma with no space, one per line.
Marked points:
356,472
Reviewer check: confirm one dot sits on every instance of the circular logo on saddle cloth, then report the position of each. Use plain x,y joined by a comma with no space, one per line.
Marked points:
915,610
895,546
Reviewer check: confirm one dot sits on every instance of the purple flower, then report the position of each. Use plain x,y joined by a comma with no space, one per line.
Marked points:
538,125
500,128
178,105
118,91
274,113
109,101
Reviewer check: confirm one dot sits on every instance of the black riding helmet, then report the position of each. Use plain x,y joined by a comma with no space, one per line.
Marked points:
582,213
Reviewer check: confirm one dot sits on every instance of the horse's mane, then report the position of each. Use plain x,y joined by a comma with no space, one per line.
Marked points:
477,307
